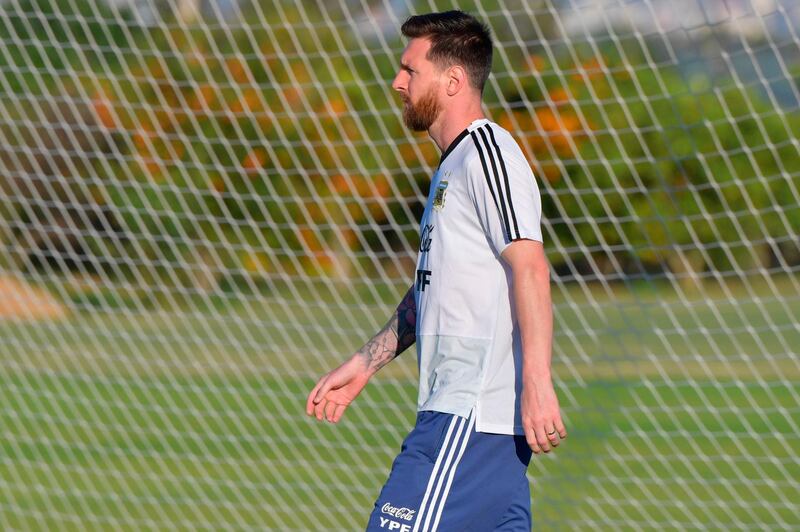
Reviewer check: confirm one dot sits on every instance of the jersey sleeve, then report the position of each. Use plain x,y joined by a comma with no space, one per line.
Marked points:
504,192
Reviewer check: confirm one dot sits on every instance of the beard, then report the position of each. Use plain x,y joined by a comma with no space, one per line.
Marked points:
420,116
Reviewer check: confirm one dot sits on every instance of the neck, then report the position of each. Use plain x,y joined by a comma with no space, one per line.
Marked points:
451,122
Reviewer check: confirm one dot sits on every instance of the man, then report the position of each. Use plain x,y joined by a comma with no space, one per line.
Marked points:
479,310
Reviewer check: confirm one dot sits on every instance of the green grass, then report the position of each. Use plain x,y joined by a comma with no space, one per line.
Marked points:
681,414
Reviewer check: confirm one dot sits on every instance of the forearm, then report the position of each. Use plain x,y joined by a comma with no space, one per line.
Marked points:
535,319
396,336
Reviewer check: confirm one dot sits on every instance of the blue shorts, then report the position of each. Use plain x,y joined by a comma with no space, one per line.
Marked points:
448,477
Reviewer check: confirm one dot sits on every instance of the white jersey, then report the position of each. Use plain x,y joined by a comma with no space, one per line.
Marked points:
483,196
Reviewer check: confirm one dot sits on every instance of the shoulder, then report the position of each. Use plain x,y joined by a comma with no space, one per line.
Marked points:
492,147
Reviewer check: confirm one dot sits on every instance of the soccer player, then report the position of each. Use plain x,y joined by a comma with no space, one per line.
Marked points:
479,309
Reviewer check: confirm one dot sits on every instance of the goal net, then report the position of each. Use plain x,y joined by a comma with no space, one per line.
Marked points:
205,205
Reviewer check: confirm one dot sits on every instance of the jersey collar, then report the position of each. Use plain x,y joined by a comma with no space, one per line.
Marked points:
453,145
458,139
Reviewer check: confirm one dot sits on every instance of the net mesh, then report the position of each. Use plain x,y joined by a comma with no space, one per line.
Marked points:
206,205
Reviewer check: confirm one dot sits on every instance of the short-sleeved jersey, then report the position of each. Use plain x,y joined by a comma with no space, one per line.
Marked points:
483,196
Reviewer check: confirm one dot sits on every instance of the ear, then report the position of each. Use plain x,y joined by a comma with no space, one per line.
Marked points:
456,80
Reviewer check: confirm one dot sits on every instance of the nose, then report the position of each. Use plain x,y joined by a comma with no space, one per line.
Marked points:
399,82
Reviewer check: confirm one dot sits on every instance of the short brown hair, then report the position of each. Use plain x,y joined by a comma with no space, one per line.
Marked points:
457,38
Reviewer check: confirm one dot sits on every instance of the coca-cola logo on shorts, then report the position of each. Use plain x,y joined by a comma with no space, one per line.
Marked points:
406,514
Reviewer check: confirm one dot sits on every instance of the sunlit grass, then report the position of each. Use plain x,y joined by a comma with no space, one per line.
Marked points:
682,412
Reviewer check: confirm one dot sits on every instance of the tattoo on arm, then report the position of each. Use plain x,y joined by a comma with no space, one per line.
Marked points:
406,316
397,335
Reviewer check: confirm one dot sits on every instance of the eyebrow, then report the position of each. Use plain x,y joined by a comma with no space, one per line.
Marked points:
406,66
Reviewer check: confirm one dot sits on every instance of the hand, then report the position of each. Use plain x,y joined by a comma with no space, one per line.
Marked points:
336,390
541,418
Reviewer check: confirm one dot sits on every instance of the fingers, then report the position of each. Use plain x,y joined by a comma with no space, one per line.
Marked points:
319,409
319,406
557,432
310,401
542,439
536,437
530,437
315,404
560,428
325,385
330,409
337,415
552,437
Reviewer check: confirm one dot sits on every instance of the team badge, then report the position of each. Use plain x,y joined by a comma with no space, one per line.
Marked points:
438,197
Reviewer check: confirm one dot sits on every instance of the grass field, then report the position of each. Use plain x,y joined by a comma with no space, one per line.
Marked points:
682,412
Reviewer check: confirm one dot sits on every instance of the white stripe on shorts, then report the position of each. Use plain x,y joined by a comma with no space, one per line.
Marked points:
443,453
453,472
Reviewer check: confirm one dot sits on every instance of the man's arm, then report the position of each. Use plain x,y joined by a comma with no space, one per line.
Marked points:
337,389
397,335
541,417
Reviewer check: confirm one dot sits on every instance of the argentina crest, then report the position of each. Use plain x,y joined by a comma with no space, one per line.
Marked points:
438,197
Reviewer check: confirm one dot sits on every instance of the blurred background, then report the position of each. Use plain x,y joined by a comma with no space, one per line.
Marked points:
204,205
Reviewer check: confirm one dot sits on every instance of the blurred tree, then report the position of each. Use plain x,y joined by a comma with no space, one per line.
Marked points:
266,148
648,169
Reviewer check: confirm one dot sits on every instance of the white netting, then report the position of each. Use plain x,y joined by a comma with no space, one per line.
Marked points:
205,205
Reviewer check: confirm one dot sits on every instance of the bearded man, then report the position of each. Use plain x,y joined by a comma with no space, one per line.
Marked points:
479,310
